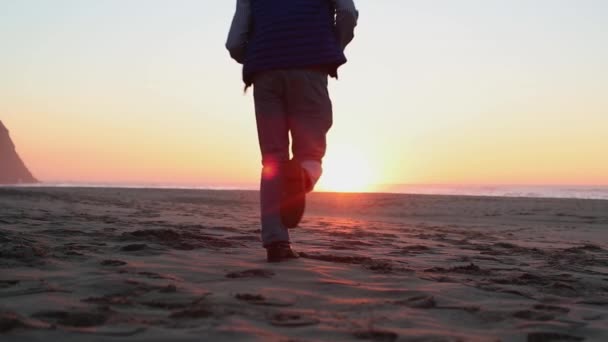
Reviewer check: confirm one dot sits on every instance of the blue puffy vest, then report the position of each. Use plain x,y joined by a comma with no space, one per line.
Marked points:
292,34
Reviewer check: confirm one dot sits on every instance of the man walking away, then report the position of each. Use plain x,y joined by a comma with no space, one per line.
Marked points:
288,49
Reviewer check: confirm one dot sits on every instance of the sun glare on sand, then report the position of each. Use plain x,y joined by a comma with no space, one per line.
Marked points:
346,170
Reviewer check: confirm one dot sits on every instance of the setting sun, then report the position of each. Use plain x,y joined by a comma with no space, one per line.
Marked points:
346,170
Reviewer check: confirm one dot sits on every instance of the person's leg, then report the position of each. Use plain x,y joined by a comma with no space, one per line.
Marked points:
271,119
310,117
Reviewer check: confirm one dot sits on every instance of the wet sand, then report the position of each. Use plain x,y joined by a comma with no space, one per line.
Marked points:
186,265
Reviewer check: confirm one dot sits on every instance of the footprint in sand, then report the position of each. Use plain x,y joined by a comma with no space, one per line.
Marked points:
541,312
154,275
113,263
11,320
115,299
594,317
551,337
287,319
376,335
194,312
594,301
419,302
8,283
261,300
255,273
134,247
551,308
73,319
171,300
27,288
533,315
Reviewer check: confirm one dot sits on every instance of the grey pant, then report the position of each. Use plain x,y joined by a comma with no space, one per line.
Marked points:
288,101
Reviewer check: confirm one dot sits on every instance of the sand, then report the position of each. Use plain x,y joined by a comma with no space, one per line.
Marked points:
185,265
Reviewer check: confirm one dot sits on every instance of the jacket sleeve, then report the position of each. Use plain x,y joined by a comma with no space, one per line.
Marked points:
346,21
239,31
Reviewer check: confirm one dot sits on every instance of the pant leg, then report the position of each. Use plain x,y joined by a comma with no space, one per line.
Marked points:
273,137
310,117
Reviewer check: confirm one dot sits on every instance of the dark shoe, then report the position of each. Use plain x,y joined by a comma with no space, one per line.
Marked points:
280,251
293,201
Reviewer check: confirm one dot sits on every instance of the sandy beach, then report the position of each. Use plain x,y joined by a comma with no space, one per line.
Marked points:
80,264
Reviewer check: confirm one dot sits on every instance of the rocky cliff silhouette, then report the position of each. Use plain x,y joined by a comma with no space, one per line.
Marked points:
12,168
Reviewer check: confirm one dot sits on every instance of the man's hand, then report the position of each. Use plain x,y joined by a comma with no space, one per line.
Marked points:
346,21
239,31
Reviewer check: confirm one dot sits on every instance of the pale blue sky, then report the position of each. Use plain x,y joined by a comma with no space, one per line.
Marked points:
429,84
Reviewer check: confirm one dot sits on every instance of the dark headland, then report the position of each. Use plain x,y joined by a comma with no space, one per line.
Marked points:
12,168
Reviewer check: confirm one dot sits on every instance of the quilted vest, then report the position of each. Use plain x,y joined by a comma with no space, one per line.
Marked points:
292,34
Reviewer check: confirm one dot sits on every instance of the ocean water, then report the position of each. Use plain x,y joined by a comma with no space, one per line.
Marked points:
540,191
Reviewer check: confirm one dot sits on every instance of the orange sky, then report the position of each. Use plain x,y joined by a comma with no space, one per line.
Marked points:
479,92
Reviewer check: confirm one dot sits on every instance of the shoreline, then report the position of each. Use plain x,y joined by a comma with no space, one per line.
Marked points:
43,186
